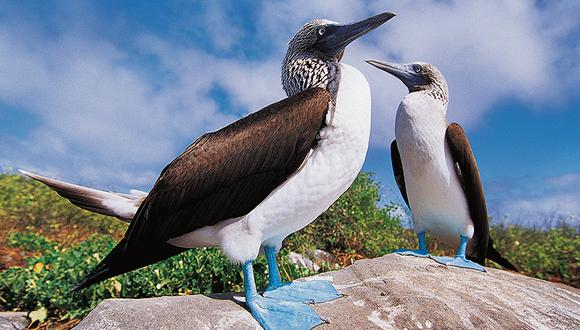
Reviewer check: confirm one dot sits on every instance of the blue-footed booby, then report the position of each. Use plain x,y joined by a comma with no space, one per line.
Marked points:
252,183
435,171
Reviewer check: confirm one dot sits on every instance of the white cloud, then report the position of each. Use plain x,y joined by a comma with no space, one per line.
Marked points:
569,180
543,202
547,210
219,25
96,112
102,109
488,50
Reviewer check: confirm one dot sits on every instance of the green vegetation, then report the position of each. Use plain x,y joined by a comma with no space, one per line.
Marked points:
552,254
47,278
47,245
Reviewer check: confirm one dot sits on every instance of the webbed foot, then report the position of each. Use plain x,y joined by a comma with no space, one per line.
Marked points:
422,252
277,314
414,253
459,261
307,292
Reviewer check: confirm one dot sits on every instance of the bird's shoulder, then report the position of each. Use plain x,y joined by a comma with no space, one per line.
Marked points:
295,115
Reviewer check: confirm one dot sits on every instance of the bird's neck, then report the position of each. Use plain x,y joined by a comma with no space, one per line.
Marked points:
432,95
302,73
439,95
436,89
423,105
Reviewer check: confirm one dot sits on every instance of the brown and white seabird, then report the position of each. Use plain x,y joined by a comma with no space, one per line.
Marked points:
435,171
254,182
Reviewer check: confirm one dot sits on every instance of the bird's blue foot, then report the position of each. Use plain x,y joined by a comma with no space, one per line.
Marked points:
459,261
273,313
307,292
277,314
414,253
422,252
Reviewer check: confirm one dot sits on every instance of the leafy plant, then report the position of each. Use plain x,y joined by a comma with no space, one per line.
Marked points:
46,280
47,245
552,254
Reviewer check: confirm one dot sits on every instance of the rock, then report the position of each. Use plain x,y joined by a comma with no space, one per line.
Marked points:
319,257
303,261
13,320
220,311
391,292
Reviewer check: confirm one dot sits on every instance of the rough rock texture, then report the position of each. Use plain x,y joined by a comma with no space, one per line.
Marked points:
389,292
12,320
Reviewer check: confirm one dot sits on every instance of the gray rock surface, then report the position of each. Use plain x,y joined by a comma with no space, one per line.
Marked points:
391,292
13,320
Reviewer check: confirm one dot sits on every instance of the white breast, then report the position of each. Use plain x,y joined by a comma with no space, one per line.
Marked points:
330,169
437,201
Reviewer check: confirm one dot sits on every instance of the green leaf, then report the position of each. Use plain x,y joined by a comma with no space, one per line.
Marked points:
38,315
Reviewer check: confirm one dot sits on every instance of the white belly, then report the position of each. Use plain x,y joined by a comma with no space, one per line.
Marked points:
436,198
329,171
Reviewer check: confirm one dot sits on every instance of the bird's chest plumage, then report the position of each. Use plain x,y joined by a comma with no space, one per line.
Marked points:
327,172
330,168
436,197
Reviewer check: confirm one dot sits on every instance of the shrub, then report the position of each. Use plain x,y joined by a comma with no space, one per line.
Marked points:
551,254
47,278
63,243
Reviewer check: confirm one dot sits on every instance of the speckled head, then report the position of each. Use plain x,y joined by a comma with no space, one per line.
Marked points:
418,76
315,50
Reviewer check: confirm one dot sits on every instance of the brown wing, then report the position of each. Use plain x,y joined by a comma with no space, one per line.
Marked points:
223,175
398,170
466,169
227,173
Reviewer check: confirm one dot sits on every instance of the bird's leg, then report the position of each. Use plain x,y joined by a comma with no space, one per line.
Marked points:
273,313
460,260
315,291
422,252
274,280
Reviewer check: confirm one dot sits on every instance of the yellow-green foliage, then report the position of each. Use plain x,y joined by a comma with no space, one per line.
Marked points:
62,244
552,254
46,280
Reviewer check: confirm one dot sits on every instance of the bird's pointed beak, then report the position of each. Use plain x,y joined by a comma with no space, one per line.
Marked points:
337,37
402,71
392,68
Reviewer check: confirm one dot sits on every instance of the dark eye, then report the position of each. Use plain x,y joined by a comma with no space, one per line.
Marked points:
417,68
321,31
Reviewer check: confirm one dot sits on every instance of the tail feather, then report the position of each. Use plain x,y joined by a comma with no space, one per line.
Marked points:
495,255
122,206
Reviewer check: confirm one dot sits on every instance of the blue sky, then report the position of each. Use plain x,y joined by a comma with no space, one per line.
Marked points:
106,93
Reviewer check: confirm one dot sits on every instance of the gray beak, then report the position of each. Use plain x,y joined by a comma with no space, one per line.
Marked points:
404,72
337,37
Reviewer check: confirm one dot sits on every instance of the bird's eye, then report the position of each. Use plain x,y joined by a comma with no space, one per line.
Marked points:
417,68
321,31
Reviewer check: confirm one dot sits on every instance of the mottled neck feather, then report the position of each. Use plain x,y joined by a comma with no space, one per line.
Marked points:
301,72
437,89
